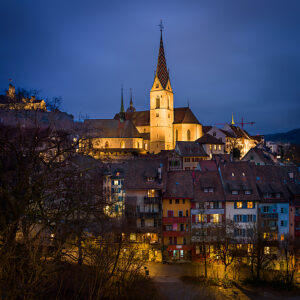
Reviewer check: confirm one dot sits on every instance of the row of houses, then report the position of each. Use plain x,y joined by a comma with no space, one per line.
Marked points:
165,209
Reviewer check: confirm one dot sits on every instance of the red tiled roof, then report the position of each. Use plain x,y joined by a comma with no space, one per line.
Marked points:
179,184
209,139
184,115
190,149
242,180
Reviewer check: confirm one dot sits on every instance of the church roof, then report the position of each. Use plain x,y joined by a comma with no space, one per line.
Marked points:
111,128
184,115
142,118
161,70
138,118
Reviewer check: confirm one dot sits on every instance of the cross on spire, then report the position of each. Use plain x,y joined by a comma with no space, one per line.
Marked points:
160,25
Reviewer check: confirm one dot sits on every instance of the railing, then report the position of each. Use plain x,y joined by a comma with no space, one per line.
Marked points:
175,233
152,200
149,215
269,216
176,220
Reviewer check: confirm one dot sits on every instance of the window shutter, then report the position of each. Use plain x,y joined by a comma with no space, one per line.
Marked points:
194,218
244,204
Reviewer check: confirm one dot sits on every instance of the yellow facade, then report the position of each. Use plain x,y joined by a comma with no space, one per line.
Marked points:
161,117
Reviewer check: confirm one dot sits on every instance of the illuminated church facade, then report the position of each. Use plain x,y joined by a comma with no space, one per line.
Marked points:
150,131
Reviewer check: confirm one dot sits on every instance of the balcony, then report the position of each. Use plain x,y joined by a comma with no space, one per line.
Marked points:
172,220
269,216
152,200
175,233
148,215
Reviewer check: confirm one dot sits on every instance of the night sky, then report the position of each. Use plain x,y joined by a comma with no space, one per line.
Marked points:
224,56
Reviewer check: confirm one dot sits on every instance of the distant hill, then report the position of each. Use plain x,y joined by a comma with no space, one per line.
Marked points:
292,137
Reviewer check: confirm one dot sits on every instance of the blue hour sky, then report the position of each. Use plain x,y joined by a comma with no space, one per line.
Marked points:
239,56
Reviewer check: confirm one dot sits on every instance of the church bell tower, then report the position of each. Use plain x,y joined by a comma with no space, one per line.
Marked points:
161,105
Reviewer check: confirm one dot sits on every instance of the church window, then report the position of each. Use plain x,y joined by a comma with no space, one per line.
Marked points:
157,102
122,144
106,144
188,135
157,86
176,135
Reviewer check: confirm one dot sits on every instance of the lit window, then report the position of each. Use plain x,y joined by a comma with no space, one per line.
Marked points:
239,204
151,193
267,250
215,147
248,192
188,135
122,144
282,237
243,174
232,174
220,147
157,102
250,204
215,218
210,147
234,192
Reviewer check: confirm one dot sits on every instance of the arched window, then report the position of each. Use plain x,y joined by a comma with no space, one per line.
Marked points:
157,102
176,135
188,135
122,144
106,144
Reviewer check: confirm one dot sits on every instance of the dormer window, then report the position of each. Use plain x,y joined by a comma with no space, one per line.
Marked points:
267,195
208,190
235,192
150,178
248,192
278,195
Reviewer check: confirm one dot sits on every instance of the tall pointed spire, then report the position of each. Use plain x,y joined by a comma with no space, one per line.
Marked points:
122,110
161,70
131,103
131,108
232,120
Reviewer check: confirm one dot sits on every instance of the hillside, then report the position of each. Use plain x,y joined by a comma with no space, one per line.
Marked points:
292,137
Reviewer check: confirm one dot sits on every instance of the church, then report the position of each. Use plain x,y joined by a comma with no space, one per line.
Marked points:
149,131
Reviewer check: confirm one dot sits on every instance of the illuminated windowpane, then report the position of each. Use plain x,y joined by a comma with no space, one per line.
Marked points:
239,205
249,204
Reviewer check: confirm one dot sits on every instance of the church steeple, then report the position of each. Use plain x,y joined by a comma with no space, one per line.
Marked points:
131,107
122,111
162,71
